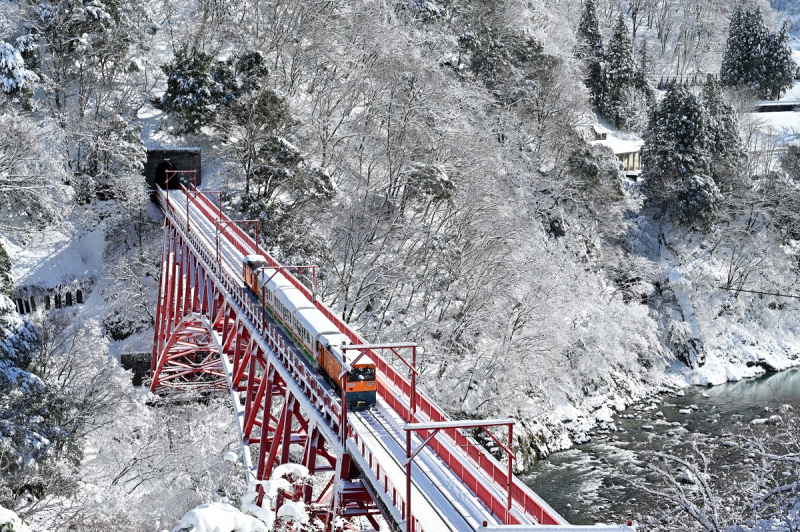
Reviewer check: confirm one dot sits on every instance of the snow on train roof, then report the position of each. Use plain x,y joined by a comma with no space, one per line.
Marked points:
275,280
256,258
316,322
292,298
351,355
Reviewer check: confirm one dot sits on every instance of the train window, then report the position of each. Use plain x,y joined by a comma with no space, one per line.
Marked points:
361,374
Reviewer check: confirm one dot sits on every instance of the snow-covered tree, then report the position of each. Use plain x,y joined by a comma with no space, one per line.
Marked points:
590,50
15,77
495,54
644,69
32,175
196,85
694,492
620,72
253,121
676,147
779,68
756,58
27,433
748,37
5,272
725,145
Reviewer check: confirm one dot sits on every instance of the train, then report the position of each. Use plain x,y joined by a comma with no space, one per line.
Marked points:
314,334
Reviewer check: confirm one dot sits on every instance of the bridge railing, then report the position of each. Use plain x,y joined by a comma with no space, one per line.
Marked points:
480,463
321,397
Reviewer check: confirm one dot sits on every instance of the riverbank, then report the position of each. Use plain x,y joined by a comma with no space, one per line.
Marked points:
594,481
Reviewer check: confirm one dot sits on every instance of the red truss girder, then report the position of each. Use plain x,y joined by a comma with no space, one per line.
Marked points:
203,343
278,401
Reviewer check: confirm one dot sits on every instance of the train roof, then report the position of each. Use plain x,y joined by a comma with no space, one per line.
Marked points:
275,280
349,355
293,298
316,322
256,259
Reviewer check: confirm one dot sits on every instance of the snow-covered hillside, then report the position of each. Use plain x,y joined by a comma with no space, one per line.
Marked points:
432,159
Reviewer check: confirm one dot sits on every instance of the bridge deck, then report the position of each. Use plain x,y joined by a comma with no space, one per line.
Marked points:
440,500
445,478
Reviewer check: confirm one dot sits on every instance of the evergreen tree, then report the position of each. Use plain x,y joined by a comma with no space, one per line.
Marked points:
620,73
5,273
724,144
676,157
780,67
590,50
747,38
756,58
643,70
251,120
196,85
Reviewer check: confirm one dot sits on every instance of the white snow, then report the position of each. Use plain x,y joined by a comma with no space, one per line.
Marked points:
219,517
620,145
230,457
57,255
294,511
294,471
11,521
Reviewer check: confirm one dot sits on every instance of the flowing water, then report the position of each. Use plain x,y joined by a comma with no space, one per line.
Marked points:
591,483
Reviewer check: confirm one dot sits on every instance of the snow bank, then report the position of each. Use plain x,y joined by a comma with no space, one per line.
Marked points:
218,517
295,511
11,521
294,471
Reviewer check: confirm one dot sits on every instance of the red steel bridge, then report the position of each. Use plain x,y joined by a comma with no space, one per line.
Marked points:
403,462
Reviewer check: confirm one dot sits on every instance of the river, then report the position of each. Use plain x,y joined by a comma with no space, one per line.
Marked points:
591,483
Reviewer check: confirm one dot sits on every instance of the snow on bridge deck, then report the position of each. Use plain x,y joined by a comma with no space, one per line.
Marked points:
441,500
382,433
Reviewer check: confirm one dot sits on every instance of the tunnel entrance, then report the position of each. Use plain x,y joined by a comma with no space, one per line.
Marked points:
161,174
161,161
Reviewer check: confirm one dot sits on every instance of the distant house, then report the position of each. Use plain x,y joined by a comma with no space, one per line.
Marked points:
628,151
600,133
776,107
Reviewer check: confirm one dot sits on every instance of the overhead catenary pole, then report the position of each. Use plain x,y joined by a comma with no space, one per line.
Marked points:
434,428
393,347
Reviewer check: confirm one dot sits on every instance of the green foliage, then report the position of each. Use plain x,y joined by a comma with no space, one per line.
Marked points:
495,54
756,58
5,272
590,50
196,85
620,74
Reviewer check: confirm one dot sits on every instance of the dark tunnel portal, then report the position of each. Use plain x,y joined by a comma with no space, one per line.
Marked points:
161,175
